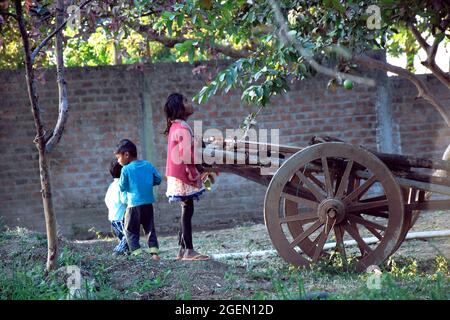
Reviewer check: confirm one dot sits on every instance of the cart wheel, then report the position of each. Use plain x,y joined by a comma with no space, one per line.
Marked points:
410,195
334,187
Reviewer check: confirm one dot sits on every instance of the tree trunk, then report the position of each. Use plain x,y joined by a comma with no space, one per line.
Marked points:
117,56
50,220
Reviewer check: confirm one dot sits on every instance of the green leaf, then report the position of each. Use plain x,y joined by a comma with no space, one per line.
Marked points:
169,24
180,20
228,87
178,6
191,54
180,47
292,33
335,4
168,15
222,76
439,37
158,25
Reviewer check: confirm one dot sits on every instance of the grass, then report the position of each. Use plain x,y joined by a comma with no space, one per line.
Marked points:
22,275
185,292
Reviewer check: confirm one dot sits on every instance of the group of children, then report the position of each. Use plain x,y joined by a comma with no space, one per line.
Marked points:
130,196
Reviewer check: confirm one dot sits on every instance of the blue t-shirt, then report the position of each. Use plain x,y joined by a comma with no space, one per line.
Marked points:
137,179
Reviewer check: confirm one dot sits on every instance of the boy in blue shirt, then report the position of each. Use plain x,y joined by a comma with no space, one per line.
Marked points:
138,178
116,202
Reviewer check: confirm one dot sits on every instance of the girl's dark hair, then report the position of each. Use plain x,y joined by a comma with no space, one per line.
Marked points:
115,169
174,109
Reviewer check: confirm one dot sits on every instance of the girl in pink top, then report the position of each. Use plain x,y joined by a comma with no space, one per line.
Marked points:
184,181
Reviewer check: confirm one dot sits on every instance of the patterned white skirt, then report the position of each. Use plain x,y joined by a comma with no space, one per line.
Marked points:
177,190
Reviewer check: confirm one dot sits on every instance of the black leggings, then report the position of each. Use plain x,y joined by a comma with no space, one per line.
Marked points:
185,234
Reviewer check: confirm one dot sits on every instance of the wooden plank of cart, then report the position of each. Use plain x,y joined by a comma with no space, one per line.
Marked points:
332,190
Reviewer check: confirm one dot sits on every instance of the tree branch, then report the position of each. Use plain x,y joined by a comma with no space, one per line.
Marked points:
51,35
171,42
149,13
5,13
62,86
308,55
431,51
419,37
29,72
422,88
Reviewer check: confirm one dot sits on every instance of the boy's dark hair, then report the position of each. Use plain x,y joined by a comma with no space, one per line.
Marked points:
126,145
174,109
115,169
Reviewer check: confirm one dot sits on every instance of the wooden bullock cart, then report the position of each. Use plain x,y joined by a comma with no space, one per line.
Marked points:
334,191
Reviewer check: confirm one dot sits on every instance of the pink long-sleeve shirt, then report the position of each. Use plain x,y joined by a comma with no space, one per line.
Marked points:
180,154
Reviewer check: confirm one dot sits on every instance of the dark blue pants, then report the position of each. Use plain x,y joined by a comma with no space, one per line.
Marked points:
134,218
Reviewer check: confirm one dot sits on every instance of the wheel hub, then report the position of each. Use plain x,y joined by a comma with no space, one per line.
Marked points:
331,209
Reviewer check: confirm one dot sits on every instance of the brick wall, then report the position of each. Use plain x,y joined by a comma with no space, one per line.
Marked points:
111,103
423,131
104,106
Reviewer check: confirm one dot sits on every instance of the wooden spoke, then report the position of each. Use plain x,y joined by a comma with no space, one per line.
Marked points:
354,233
311,187
353,182
362,206
306,233
376,213
323,238
344,179
374,232
326,173
378,198
367,223
315,180
316,240
300,200
304,218
339,233
358,192
297,189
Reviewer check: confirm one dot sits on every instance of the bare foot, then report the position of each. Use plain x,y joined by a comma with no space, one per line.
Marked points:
155,257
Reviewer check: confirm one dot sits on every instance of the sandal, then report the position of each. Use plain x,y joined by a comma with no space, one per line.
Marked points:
191,255
180,254
199,257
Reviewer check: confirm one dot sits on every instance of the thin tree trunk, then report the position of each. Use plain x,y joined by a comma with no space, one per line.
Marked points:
149,52
50,217
116,51
50,220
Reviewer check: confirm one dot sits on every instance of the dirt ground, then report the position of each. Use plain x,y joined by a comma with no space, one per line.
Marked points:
126,277
225,279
